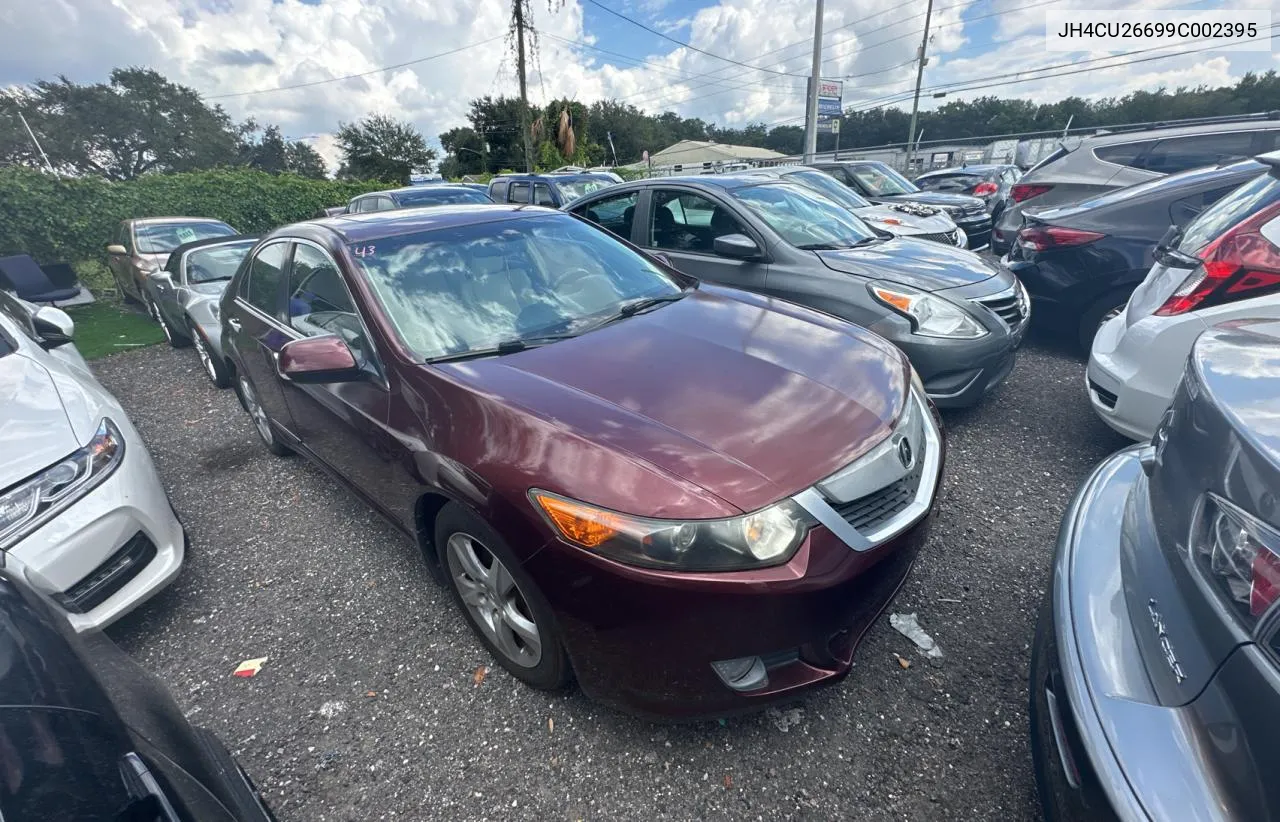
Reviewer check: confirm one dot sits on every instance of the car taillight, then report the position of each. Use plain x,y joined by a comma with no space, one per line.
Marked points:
983,189
1239,556
1043,238
1241,263
1025,191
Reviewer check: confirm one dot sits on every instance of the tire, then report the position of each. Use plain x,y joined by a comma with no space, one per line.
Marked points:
125,296
258,415
175,339
505,610
1092,319
245,799
214,368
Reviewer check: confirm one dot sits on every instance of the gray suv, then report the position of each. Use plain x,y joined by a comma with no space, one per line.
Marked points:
1081,168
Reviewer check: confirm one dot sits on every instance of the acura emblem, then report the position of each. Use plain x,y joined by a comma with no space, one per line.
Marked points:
904,453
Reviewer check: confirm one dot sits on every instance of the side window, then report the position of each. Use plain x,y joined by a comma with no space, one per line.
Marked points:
1182,212
123,238
319,302
680,221
261,288
542,195
1123,154
519,193
615,213
1181,153
383,204
357,206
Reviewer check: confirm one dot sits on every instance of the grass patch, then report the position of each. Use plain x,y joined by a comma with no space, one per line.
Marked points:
104,328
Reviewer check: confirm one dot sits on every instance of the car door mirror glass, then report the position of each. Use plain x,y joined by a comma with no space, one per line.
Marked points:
316,360
54,326
738,246
116,248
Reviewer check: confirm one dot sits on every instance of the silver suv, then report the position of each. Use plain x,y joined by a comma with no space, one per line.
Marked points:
1081,168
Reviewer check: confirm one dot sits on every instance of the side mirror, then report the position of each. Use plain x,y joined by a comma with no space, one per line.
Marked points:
315,360
160,275
54,326
116,248
738,246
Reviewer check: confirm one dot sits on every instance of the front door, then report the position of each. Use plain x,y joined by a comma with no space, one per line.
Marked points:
258,331
683,225
344,425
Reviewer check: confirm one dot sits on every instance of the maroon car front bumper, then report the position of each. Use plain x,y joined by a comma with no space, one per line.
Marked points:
643,641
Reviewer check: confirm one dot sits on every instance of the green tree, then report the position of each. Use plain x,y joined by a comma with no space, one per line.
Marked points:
136,123
381,148
305,161
466,152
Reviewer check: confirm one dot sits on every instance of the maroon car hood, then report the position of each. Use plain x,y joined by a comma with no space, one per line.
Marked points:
749,398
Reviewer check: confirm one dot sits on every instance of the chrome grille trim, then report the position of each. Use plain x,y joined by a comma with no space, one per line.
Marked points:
816,503
1011,305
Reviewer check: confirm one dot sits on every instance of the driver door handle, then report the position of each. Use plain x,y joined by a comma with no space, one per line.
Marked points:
234,323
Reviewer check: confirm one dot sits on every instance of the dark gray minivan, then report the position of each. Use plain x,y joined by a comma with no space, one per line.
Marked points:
1155,675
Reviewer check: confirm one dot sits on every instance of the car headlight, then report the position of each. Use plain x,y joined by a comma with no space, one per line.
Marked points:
34,501
930,315
766,537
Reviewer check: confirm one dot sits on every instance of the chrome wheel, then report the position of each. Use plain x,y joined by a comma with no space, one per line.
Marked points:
154,311
1110,315
256,411
494,600
197,339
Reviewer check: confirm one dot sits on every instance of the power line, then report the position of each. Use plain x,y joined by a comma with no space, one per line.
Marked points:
353,76
654,31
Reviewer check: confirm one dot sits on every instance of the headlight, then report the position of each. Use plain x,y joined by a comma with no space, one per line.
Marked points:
930,316
33,502
766,537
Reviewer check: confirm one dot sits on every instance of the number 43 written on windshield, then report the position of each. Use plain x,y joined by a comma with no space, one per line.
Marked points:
364,250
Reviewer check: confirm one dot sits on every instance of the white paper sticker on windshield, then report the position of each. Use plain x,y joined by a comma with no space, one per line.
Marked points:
186,235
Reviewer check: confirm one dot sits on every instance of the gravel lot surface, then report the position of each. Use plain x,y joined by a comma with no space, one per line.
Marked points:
367,708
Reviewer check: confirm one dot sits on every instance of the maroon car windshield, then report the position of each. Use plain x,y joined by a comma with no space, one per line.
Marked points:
474,287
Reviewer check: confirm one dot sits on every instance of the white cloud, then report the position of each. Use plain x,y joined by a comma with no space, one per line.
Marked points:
226,46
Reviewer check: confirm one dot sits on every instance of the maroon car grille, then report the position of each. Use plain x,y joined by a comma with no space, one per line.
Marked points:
875,509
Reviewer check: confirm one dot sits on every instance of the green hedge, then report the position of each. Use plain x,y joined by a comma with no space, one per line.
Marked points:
61,219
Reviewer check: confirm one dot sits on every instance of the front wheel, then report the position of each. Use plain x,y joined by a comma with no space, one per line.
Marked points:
249,399
214,367
499,600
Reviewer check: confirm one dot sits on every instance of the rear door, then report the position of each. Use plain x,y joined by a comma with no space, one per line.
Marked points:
343,424
519,193
615,213
258,331
683,225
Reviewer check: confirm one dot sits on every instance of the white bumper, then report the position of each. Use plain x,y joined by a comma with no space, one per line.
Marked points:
1140,365
79,541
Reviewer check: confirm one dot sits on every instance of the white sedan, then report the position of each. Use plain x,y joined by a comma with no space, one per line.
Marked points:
80,501
1224,267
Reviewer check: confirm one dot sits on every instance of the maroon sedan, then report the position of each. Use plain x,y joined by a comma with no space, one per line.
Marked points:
694,499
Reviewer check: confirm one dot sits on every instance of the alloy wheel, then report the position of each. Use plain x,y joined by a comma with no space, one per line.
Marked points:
197,339
154,311
256,411
494,600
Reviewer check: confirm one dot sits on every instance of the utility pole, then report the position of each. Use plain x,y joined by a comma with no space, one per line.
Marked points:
36,142
517,11
915,101
811,115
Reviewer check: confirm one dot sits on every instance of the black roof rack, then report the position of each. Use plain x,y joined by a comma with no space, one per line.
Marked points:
1191,121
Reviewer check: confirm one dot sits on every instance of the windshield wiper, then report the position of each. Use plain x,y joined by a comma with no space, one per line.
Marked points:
636,306
503,348
835,247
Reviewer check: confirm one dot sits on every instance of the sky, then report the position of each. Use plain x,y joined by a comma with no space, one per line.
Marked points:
443,53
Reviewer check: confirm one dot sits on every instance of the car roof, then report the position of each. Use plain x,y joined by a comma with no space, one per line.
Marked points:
1110,138
556,176
165,220
972,168
406,189
208,241
354,228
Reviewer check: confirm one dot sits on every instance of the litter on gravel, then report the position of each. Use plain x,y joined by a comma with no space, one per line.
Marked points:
909,626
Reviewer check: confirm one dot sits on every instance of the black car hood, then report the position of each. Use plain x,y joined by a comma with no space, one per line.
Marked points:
938,198
921,264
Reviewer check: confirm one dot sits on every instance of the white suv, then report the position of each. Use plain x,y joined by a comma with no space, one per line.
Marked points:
1225,266
80,502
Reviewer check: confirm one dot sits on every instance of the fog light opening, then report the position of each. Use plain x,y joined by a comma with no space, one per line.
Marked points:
746,673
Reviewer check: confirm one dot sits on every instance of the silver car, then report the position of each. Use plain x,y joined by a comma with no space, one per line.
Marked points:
914,220
82,505
1082,168
183,297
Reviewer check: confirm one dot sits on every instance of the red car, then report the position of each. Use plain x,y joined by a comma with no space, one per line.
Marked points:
693,499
